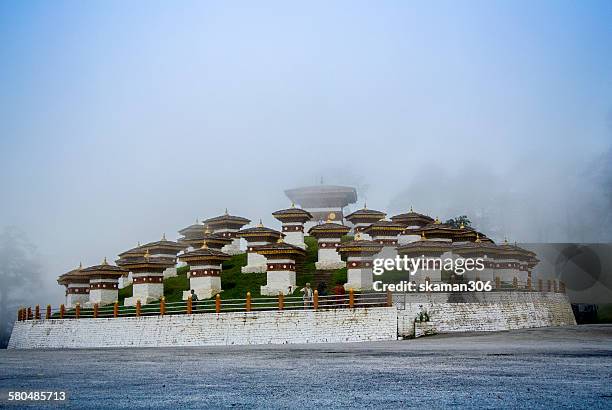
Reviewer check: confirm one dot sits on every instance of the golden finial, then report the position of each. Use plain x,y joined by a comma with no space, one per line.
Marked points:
80,265
423,238
260,224
226,213
104,262
411,208
204,245
365,205
292,204
505,240
477,237
147,254
163,236
462,226
358,236
437,221
280,239
207,230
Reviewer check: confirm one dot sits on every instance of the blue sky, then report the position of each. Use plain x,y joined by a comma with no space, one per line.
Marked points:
120,121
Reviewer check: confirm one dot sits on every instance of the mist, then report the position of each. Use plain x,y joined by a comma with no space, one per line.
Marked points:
123,122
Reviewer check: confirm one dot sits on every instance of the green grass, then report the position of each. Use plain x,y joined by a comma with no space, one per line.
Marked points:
236,284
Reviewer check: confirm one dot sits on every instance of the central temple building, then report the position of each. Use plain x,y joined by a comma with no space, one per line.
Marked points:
323,202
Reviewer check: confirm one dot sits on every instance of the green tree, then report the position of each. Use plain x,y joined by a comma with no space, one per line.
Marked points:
458,221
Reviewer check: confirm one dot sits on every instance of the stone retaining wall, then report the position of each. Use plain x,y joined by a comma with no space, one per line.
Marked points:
236,328
483,312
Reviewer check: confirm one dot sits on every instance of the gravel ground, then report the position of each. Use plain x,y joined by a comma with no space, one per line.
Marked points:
535,368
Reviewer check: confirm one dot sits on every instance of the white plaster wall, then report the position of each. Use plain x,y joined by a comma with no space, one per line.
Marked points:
210,329
278,281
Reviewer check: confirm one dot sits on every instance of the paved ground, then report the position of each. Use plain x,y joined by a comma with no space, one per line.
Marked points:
535,368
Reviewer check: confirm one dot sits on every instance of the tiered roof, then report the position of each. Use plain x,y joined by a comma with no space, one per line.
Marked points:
227,220
292,214
359,247
259,232
280,250
412,219
204,254
73,276
328,229
365,215
384,227
104,270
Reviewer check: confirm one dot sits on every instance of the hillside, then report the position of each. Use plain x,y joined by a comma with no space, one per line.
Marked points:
236,284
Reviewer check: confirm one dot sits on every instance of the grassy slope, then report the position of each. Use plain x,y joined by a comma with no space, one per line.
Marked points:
235,283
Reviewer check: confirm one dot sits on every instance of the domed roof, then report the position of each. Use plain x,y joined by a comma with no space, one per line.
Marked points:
75,275
292,212
329,227
359,245
280,248
412,218
226,217
104,269
257,231
204,253
365,213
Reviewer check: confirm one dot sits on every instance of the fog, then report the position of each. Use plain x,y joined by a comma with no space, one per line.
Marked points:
120,122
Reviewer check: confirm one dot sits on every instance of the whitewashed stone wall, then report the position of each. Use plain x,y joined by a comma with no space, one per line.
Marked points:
239,328
493,311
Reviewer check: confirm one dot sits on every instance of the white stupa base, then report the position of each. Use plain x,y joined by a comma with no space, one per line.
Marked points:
253,269
170,273
330,265
359,280
146,292
102,297
72,299
279,282
205,287
275,291
131,301
232,250
125,281
202,293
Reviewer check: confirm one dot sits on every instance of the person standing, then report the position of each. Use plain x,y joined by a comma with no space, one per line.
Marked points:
339,293
307,295
194,300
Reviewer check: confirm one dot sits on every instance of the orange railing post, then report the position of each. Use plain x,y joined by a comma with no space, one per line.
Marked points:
315,299
218,303
62,311
138,308
529,283
189,307
562,287
37,312
497,282
281,301
116,309
162,306
19,315
351,298
389,298
77,310
540,286
29,313
95,313
48,315
248,302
